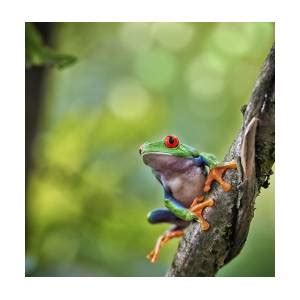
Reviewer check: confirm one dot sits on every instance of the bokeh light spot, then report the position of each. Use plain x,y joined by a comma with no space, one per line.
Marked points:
206,85
205,76
156,69
128,99
234,38
173,36
136,36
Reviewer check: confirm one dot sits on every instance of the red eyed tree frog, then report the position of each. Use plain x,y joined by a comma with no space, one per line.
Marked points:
185,175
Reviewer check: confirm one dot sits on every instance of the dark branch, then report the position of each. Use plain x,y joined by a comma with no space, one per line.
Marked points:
204,253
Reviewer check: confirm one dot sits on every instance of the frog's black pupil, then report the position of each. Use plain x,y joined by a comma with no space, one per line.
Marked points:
171,140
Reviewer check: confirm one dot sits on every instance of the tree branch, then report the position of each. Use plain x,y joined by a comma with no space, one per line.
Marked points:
204,253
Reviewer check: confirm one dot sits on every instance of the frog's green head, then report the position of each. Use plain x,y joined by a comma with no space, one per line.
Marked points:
168,153
170,145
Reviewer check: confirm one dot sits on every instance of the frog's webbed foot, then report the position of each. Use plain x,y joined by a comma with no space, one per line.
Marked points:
197,208
162,240
217,173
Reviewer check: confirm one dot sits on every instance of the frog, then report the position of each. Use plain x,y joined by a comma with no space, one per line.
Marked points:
185,175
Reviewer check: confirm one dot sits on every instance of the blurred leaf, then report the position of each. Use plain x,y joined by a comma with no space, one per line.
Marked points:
38,54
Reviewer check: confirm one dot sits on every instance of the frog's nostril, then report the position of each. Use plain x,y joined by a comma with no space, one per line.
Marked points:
141,149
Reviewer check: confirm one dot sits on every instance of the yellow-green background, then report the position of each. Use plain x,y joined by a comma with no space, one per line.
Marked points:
89,192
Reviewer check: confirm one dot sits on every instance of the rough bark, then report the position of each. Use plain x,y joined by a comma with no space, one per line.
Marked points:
204,253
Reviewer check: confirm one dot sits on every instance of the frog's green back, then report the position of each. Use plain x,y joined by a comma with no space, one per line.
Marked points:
210,158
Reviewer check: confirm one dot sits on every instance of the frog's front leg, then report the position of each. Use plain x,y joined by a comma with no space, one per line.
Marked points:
216,174
198,206
163,215
178,209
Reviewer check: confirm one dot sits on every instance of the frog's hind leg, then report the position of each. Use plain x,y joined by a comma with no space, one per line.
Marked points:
173,232
163,215
217,173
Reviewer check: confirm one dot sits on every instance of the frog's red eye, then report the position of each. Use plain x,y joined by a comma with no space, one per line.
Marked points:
171,141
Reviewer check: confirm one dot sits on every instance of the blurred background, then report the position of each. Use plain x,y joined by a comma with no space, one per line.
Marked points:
94,93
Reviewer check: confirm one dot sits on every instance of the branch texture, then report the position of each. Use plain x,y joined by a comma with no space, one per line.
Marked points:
204,253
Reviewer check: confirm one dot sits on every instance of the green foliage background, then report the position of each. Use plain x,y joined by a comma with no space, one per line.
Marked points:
89,192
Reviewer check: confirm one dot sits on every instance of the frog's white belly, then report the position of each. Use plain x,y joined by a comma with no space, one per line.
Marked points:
186,186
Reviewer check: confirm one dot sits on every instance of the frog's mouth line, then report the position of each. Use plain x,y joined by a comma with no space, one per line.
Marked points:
143,154
159,153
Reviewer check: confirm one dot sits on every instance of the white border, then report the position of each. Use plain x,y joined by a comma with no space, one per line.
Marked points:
14,285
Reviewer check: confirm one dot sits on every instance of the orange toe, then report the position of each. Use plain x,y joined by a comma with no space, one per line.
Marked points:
198,211
216,174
